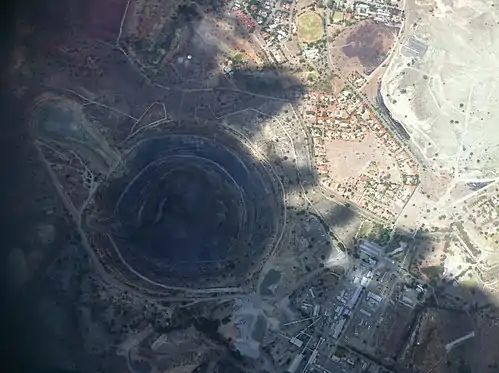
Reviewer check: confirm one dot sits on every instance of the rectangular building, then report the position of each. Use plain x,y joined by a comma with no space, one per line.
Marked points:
316,310
355,297
364,312
295,364
338,328
371,249
376,297
297,342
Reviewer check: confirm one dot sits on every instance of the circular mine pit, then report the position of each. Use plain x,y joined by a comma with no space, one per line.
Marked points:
189,207
182,208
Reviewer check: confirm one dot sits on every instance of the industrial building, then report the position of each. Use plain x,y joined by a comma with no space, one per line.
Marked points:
355,297
297,342
376,297
365,313
371,249
409,298
338,328
160,341
295,364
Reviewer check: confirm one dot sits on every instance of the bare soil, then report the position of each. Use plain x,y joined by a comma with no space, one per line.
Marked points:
361,48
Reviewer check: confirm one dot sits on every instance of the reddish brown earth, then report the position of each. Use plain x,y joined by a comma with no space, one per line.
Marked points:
370,44
363,47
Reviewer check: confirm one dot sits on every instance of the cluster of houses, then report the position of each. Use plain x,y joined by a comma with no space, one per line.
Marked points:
272,17
260,10
276,32
382,197
383,11
390,15
245,20
346,118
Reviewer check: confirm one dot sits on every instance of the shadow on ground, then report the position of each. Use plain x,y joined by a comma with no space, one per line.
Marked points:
71,46
69,49
452,311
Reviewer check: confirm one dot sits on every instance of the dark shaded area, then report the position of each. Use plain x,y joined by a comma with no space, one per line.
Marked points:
194,207
448,313
27,196
19,350
40,319
229,362
367,44
153,220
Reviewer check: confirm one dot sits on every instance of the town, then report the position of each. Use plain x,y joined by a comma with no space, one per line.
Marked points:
348,322
381,176
249,186
300,35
